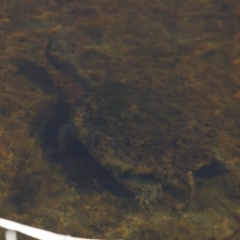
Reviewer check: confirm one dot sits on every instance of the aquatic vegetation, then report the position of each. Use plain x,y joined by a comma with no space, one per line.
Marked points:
235,215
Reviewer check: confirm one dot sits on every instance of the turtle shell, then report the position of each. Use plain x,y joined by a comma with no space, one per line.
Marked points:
145,141
134,132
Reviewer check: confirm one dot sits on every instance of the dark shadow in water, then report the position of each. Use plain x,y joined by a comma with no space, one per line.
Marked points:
85,173
207,172
78,166
46,122
35,74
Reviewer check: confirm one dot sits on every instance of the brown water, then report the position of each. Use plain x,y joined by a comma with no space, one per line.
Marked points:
187,50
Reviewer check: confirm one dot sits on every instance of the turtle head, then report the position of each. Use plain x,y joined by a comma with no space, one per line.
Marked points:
63,62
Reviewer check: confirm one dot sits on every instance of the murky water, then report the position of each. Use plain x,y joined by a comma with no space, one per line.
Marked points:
186,51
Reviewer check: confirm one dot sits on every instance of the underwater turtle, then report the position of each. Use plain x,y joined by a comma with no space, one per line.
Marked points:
143,140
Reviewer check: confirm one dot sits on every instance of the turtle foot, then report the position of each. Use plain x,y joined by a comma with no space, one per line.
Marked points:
66,133
148,200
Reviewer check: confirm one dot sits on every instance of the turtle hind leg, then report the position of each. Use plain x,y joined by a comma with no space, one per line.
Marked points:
147,188
149,199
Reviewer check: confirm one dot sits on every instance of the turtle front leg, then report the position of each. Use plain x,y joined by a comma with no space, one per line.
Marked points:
66,134
149,199
148,189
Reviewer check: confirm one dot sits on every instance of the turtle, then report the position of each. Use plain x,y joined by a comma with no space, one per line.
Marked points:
146,142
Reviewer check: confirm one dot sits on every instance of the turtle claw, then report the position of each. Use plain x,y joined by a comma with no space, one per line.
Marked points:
148,200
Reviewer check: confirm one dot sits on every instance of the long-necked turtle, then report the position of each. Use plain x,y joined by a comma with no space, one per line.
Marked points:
144,141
